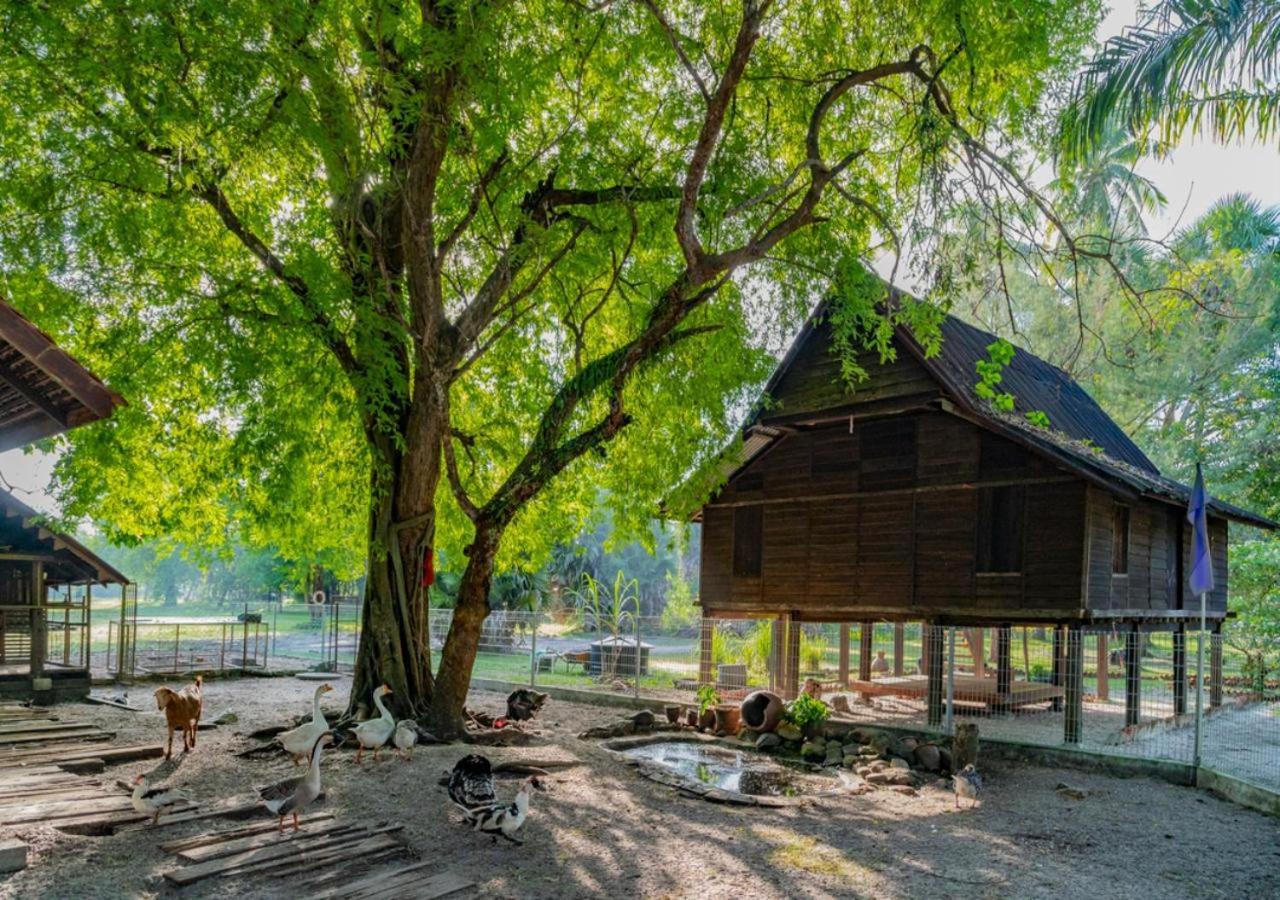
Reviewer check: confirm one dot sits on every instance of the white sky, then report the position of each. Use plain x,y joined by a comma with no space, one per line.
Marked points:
1192,178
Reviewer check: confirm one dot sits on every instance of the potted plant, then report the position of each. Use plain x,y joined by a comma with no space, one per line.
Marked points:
673,713
691,716
809,714
708,697
728,718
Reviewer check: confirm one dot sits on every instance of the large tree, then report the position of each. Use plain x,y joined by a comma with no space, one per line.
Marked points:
341,253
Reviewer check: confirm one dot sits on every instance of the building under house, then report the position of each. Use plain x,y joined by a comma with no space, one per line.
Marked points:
46,578
911,499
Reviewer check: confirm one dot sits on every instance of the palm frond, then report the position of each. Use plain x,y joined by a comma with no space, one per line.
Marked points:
1189,67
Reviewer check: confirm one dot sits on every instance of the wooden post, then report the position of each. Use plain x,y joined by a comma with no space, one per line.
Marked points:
899,641
1057,674
1004,665
792,666
1132,676
976,638
776,638
38,619
933,668
1074,678
1103,689
704,653
1215,666
844,655
866,635
1180,670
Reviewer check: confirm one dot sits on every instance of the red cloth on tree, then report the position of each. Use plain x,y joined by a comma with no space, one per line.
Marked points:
428,569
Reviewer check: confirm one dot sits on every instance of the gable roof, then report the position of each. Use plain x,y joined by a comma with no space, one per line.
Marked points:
1081,437
67,561
43,390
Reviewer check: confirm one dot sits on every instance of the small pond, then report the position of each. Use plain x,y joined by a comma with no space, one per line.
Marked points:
744,772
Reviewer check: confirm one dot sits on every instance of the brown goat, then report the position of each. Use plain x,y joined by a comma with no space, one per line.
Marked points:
182,711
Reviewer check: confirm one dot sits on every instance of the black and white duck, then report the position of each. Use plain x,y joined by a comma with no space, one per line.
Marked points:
152,802
471,782
503,820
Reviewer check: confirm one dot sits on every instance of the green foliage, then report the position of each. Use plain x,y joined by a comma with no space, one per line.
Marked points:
806,711
1255,597
757,648
1039,418
681,610
607,609
269,380
999,355
707,697
813,650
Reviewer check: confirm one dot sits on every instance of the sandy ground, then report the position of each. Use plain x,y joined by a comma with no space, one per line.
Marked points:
602,829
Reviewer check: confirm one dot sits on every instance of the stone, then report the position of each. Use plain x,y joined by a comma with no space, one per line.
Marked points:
811,751
904,789
879,765
948,760
768,741
1069,792
227,718
852,748
899,763
877,778
788,732
849,761
834,758
868,752
864,771
13,855
928,757
748,734
840,703
964,745
899,776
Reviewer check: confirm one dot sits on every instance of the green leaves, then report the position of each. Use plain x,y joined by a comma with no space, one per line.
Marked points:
999,355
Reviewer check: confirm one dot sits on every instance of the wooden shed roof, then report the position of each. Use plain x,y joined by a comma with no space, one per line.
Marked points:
1082,437
43,390
67,561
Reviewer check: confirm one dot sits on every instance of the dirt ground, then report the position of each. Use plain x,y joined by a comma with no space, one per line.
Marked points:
602,829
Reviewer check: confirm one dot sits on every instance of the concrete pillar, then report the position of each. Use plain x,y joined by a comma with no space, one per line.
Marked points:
933,669
1132,676
899,641
866,632
1074,683
1104,671
1180,670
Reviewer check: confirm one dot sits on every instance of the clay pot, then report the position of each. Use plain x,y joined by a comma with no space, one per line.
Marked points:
707,719
728,718
691,717
762,711
673,714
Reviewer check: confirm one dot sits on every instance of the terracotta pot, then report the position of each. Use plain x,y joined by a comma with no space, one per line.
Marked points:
728,718
707,719
762,710
691,717
673,714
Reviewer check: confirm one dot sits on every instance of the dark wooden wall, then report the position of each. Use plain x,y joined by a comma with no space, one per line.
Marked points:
884,520
1158,534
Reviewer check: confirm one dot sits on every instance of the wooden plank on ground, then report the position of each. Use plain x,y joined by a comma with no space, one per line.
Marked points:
253,842
66,810
374,846
81,734
279,852
105,701
58,754
43,725
399,881
228,811
230,834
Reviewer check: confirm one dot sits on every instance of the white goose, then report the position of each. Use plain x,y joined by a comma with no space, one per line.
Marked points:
299,741
374,733
406,736
153,801
292,796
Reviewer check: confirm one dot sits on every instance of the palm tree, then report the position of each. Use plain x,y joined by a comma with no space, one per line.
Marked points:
1104,190
1236,222
1188,67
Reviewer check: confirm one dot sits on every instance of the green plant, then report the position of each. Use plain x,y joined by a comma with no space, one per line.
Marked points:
608,611
756,649
1038,671
805,711
725,648
1038,418
708,697
1000,354
681,611
812,651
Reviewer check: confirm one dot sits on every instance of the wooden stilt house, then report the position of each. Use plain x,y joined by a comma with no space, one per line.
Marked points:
912,499
46,578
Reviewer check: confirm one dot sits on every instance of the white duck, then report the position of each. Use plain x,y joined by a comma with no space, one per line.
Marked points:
405,737
299,741
153,801
292,796
374,733
503,819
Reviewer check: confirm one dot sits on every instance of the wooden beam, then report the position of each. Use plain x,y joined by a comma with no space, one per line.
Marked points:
899,644
844,655
1004,664
1215,667
1103,665
705,674
28,392
866,634
933,664
791,658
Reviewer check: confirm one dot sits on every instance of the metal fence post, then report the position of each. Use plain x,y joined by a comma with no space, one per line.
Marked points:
637,653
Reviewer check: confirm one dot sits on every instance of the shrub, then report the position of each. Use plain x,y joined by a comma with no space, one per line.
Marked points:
681,612
708,697
806,710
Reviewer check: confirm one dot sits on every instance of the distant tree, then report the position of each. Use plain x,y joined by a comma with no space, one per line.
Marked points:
1255,598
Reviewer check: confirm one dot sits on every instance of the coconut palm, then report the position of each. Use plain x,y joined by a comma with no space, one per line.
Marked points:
1188,67
1104,190
1236,222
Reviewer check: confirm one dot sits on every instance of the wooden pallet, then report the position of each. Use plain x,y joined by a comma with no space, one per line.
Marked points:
54,797
68,753
412,882
324,847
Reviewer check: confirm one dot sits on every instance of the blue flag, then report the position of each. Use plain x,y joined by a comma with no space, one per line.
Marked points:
1201,559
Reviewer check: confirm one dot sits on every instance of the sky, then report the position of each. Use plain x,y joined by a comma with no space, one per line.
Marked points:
1192,178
